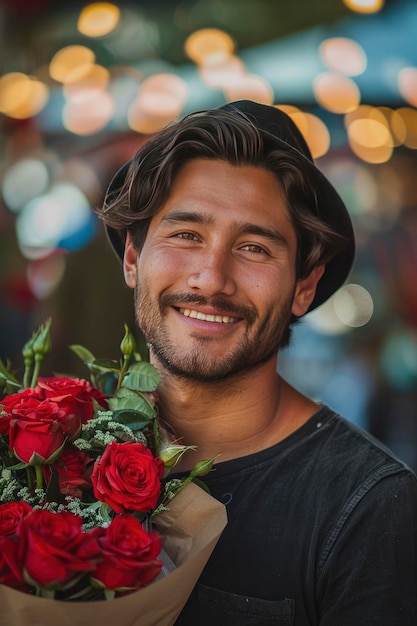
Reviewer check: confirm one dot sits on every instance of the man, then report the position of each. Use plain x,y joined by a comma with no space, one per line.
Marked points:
229,234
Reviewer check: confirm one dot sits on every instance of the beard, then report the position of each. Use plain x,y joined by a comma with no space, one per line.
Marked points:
261,342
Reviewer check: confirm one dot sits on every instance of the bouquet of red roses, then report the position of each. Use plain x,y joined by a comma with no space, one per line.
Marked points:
84,474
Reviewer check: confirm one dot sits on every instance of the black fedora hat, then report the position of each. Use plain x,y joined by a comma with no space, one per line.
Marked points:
280,131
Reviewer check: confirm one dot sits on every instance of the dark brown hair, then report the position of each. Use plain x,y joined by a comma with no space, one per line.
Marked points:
218,134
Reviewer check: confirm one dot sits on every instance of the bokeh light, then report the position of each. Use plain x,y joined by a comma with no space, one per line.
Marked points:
350,307
251,87
209,46
222,75
44,275
315,132
92,77
365,6
23,181
407,84
393,121
353,305
87,112
98,19
409,118
369,134
343,55
60,218
161,99
71,62
325,321
81,173
336,93
22,96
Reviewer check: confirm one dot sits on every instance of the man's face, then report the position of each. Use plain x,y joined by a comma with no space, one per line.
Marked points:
215,280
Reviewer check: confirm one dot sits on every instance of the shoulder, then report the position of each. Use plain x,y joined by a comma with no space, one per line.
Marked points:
347,467
353,447
374,496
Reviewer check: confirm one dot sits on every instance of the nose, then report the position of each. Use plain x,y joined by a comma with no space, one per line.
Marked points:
213,274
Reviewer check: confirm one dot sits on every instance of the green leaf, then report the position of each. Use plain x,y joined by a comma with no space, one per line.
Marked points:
105,365
135,420
8,387
4,373
125,399
142,376
105,512
84,354
18,466
52,489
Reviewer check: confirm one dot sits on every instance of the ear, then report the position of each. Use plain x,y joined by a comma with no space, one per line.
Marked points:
130,262
305,291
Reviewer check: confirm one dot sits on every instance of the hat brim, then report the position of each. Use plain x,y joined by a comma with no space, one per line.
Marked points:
331,208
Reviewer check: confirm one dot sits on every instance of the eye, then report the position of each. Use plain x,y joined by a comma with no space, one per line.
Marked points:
186,236
254,248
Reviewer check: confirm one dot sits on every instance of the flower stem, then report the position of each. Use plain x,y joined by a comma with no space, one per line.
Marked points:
29,478
39,476
35,372
26,376
125,367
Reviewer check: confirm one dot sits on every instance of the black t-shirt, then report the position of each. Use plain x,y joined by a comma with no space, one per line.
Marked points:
322,530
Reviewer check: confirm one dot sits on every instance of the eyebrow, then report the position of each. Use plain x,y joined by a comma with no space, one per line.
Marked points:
246,228
266,232
194,217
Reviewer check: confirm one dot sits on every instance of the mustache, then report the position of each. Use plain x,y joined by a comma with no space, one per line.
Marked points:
234,310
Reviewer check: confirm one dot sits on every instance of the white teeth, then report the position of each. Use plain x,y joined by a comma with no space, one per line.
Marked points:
224,319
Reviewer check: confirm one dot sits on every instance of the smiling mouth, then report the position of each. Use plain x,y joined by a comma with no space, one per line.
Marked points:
223,319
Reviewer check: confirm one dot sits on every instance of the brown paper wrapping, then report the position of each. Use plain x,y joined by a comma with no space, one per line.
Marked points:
190,530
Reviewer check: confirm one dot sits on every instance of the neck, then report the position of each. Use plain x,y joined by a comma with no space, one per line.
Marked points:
233,417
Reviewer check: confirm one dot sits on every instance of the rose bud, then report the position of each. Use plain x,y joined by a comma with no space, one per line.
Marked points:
42,344
172,454
203,467
128,344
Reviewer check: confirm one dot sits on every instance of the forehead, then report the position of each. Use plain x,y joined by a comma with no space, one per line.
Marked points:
227,192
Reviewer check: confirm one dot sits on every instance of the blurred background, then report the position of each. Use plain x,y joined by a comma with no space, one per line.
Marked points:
82,86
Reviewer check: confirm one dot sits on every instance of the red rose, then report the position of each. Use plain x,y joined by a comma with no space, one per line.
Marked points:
74,473
11,513
75,396
53,549
35,431
10,404
128,477
129,554
10,570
